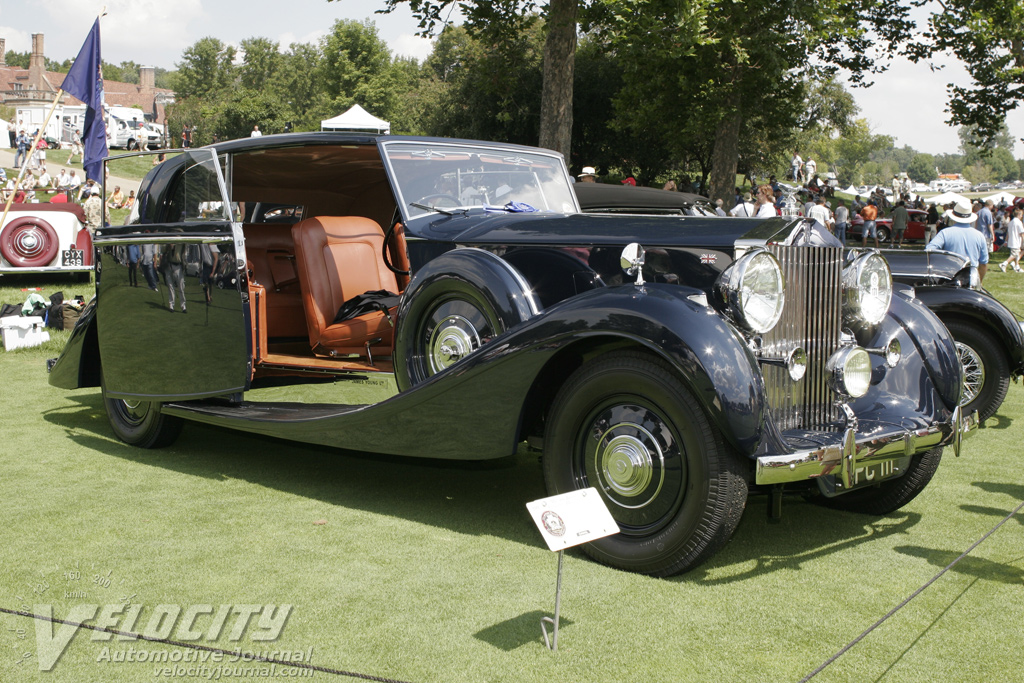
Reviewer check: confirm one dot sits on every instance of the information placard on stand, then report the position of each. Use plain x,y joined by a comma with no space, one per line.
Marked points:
564,521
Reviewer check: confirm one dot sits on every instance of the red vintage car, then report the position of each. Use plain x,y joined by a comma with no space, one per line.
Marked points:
917,226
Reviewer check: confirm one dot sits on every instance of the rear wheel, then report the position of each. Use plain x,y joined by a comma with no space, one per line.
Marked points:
140,423
986,370
625,425
456,304
883,233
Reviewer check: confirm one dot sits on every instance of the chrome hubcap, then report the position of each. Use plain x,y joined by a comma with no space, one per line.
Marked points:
134,411
630,465
974,372
451,341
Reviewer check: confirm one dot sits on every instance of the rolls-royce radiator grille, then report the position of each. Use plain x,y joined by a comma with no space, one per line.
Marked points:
813,319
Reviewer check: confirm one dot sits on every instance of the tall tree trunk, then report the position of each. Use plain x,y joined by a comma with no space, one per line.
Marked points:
559,60
725,156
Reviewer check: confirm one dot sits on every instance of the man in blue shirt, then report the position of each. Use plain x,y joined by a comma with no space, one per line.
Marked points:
961,238
985,224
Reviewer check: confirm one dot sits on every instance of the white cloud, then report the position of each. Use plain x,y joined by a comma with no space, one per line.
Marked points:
409,45
17,40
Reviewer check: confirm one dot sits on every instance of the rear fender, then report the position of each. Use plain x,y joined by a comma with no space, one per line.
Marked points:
79,363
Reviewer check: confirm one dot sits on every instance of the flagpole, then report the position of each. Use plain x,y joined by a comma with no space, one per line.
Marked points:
33,150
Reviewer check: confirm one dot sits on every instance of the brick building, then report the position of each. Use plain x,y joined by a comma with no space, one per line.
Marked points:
36,86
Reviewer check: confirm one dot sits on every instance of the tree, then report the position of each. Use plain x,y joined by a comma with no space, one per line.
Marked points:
260,62
740,59
356,68
987,36
922,168
498,23
206,69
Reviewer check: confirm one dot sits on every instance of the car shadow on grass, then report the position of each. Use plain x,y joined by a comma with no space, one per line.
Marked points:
998,421
806,532
469,497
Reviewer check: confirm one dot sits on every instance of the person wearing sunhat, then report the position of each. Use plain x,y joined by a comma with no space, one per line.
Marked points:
589,175
960,237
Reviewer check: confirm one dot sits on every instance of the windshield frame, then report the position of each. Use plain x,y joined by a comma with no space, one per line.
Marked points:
553,193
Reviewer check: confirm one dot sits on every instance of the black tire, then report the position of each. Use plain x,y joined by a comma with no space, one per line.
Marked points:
140,423
883,233
456,304
986,370
890,495
626,425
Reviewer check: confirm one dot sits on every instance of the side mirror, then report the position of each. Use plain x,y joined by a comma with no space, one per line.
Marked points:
632,261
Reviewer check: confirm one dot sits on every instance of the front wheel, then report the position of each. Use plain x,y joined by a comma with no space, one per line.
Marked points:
140,423
627,426
883,234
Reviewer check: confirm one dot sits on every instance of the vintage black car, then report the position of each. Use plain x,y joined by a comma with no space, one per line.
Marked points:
989,338
674,363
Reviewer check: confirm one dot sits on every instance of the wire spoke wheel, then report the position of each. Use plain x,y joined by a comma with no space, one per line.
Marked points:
974,372
986,370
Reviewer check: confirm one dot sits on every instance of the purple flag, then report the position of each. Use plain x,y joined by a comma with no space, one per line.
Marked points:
85,81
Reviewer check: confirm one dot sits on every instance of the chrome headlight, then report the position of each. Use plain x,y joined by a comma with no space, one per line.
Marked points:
867,288
755,291
849,371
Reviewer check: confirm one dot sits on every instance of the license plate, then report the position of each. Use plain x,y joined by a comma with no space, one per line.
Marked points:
72,258
871,473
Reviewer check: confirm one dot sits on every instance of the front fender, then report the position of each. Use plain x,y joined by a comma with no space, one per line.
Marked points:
983,310
929,362
706,351
78,365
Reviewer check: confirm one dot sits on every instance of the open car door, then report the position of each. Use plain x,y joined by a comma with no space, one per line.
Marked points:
171,308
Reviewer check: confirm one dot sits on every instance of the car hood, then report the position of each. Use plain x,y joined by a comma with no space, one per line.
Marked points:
597,229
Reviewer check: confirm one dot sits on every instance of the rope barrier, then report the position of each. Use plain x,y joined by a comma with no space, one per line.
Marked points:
913,595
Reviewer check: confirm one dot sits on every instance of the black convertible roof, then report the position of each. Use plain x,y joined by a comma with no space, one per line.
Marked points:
598,196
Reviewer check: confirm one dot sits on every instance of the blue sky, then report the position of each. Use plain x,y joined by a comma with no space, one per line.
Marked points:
907,102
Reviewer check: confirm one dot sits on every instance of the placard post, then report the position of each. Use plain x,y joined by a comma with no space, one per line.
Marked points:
567,520
553,643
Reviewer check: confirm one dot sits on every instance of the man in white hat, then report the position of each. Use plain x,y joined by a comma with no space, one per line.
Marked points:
589,175
960,237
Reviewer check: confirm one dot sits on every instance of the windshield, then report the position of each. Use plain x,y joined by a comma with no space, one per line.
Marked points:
437,176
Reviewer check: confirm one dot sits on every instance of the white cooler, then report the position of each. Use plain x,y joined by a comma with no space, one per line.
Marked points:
22,332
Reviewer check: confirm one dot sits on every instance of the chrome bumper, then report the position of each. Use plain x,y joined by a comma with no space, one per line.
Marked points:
844,454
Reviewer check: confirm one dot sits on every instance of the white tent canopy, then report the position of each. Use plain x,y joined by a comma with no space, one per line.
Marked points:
946,198
1001,196
850,190
356,119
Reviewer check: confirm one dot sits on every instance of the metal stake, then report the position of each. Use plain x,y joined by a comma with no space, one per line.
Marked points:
553,643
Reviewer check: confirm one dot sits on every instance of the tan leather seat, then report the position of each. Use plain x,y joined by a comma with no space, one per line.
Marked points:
339,257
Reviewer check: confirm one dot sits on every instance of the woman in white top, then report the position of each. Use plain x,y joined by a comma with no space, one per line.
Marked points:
764,204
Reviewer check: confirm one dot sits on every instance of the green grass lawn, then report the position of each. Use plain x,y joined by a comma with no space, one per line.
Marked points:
432,571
